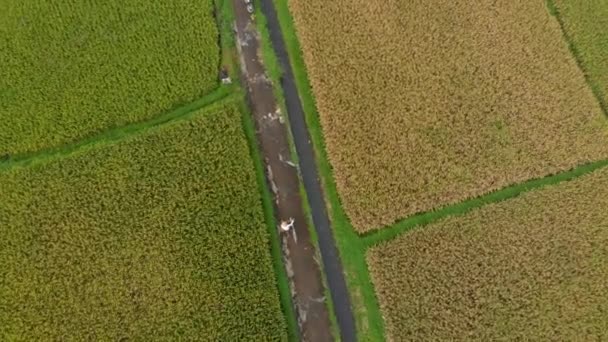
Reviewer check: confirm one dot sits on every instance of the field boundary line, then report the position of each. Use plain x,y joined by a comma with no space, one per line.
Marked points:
574,50
180,113
420,220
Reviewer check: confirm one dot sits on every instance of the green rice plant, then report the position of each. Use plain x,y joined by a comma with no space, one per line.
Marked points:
71,69
159,236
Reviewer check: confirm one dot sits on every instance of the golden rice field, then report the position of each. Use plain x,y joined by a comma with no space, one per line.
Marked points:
530,268
158,237
586,24
424,104
70,69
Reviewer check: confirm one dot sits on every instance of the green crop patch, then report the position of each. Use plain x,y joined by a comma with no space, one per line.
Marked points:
586,27
160,236
71,69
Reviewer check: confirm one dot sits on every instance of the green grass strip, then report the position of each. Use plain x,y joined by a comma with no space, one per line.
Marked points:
275,247
225,19
462,208
595,88
180,113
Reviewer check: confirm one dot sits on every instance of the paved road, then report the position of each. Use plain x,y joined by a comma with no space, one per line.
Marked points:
303,269
308,170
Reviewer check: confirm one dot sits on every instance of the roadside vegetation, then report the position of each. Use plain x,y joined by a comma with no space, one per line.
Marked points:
425,106
531,268
71,69
160,235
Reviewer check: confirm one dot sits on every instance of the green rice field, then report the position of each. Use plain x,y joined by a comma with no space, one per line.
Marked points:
71,69
159,236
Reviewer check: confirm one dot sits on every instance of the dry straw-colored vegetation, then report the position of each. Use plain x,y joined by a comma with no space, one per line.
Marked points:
72,68
424,103
159,237
586,24
531,268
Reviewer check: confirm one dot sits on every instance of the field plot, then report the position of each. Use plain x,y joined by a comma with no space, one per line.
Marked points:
530,268
423,105
157,237
586,24
72,68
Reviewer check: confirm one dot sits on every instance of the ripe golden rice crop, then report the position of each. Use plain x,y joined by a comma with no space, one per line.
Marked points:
586,24
159,237
72,68
532,268
427,103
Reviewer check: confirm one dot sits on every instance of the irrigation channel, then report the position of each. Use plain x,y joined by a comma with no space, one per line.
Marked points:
309,173
303,270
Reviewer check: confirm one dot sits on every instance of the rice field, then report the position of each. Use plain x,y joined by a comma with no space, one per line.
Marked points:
585,23
160,236
71,68
530,268
424,104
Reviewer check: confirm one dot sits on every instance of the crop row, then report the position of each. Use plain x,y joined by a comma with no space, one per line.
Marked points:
424,105
157,237
73,68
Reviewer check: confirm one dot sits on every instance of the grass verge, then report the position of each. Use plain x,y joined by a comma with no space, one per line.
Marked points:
225,20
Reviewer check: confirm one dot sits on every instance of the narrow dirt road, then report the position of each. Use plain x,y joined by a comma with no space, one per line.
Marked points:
302,268
331,259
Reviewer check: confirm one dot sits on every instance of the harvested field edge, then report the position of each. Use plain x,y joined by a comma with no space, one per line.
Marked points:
275,72
275,248
352,246
595,89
